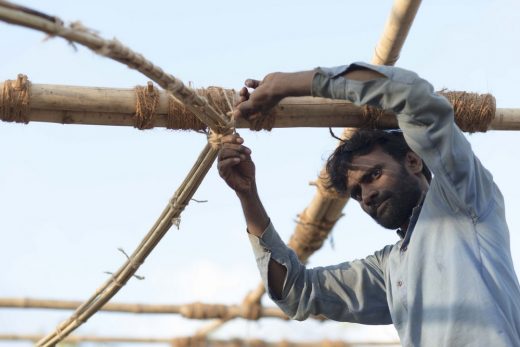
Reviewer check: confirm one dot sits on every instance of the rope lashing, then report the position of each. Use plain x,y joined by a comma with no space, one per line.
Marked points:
310,237
179,117
146,101
473,112
14,100
199,310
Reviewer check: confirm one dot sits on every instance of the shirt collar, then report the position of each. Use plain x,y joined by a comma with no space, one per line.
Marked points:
406,234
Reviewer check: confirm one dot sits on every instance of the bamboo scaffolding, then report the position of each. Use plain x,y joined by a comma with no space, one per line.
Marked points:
77,33
195,310
187,342
199,106
115,106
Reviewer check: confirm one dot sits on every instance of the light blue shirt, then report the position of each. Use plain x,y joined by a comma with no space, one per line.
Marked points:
454,284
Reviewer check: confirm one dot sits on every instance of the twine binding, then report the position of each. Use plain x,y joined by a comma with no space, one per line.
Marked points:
14,100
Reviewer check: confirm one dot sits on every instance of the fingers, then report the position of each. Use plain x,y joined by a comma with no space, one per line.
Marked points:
232,148
243,96
251,83
245,110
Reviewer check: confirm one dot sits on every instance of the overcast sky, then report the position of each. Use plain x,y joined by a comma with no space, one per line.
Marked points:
71,195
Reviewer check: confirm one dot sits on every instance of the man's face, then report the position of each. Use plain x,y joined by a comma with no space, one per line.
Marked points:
386,189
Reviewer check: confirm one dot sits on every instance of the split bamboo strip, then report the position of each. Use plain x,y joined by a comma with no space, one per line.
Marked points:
194,342
115,50
195,310
317,220
114,106
168,217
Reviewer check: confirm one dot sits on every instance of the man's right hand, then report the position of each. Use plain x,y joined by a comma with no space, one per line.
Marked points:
235,165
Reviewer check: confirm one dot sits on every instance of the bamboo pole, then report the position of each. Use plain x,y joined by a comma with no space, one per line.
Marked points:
77,33
199,106
195,310
324,210
168,218
184,341
116,106
396,30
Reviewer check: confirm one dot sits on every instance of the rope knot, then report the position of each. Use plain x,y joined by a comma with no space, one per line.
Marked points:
146,102
199,310
14,101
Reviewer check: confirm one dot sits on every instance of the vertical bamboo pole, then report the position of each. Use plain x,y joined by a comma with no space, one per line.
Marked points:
324,211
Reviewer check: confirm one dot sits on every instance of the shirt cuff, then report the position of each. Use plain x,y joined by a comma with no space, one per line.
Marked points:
270,245
326,83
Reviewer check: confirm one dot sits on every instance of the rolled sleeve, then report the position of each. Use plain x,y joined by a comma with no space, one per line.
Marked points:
351,291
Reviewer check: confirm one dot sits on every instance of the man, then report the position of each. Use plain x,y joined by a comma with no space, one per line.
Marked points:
449,280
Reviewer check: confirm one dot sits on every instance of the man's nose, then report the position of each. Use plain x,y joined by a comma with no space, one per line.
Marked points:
369,196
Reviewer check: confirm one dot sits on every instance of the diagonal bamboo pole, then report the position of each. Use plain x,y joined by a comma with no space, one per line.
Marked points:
324,210
169,216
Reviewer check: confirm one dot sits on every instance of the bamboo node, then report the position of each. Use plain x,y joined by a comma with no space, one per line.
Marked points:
147,100
14,100
473,112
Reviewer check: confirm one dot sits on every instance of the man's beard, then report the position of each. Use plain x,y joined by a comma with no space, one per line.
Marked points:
395,205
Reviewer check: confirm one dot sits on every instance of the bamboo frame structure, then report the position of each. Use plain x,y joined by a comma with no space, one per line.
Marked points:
199,106
115,106
194,342
103,106
113,49
195,310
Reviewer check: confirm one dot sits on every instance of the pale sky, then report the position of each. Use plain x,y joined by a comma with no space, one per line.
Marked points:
71,195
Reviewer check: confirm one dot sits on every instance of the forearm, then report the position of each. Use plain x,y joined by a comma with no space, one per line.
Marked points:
254,212
257,221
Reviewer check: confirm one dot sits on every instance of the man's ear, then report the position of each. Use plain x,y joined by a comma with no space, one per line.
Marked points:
413,162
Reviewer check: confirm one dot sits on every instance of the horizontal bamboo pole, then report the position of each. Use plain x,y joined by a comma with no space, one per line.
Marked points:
192,311
77,33
187,342
116,106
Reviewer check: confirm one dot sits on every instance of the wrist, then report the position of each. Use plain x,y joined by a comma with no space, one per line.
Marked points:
294,83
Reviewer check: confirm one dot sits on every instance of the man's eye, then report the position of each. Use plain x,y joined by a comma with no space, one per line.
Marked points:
376,173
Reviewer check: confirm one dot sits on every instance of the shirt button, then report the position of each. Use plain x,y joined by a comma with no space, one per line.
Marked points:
399,283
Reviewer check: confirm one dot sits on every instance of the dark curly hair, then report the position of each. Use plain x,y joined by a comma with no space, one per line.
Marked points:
363,142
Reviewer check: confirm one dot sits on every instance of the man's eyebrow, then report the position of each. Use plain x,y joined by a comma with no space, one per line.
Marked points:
369,171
